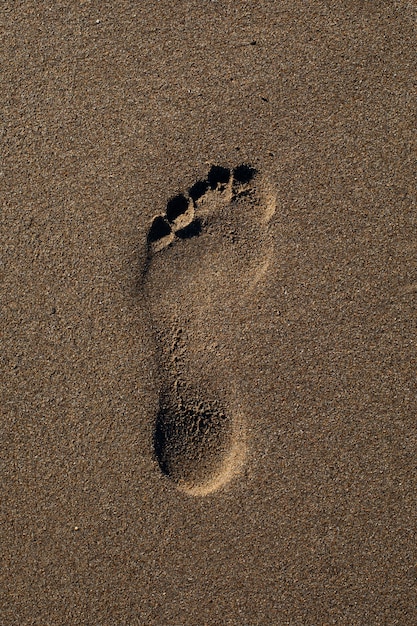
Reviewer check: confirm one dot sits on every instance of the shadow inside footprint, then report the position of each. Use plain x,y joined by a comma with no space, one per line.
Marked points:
198,190
176,207
190,442
192,230
243,174
159,228
218,176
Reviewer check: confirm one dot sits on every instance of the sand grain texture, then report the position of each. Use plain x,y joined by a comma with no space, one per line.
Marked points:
285,322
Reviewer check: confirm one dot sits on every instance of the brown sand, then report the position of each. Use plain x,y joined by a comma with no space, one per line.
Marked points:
301,510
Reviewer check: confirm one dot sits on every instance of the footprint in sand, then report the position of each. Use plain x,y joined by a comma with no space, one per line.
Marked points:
205,256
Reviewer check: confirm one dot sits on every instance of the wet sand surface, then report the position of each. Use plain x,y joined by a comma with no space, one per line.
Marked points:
284,330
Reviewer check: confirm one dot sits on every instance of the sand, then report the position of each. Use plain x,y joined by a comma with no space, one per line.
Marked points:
214,425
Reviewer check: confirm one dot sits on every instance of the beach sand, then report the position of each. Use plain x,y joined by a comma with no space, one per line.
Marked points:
209,244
